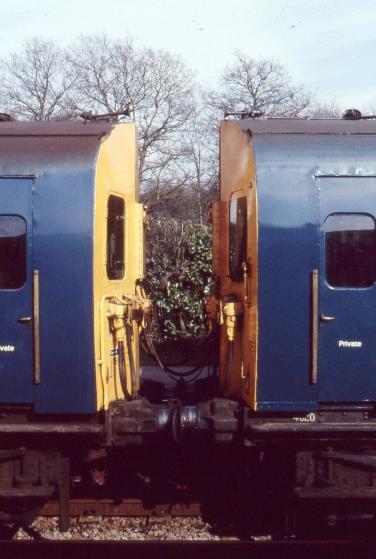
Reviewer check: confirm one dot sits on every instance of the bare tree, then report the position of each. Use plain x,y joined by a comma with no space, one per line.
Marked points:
323,109
98,86
35,82
201,158
115,75
187,192
262,85
42,82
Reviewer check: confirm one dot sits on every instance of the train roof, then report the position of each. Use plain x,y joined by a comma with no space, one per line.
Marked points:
59,128
308,126
32,148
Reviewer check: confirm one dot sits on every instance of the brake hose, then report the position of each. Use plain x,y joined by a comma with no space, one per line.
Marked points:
123,379
150,349
153,353
128,335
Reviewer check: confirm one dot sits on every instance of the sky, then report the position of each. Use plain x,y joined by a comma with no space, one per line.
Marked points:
327,46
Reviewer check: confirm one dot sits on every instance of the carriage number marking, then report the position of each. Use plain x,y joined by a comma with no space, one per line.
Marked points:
309,418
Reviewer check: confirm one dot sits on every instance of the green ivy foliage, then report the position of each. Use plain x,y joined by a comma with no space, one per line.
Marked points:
178,276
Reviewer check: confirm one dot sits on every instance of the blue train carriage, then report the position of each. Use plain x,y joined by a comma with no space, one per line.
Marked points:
294,268
294,255
71,256
71,246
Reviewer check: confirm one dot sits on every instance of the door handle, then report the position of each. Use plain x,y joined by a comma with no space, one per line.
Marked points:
245,281
25,319
314,326
324,318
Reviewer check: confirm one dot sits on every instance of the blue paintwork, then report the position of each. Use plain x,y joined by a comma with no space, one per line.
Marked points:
63,254
16,366
63,166
347,374
287,167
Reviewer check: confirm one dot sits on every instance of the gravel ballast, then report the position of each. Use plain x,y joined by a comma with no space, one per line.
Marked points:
120,528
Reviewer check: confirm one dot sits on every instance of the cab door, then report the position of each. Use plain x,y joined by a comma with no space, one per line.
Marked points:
16,281
235,264
234,303
347,291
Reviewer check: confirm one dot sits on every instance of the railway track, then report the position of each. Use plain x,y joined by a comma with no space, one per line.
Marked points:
126,507
168,522
172,550
131,527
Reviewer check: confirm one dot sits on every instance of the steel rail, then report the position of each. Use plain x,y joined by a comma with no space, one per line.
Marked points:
127,507
178,549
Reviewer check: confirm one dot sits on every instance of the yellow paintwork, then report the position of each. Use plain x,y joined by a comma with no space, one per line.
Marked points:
116,174
238,179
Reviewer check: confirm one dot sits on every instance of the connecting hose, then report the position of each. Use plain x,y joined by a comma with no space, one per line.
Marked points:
152,352
128,335
147,344
123,378
122,366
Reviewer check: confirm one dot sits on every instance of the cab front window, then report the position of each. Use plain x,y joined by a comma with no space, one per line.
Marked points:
115,238
237,237
350,247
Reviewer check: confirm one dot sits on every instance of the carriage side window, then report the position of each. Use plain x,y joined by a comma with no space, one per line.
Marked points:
115,238
237,237
350,248
12,252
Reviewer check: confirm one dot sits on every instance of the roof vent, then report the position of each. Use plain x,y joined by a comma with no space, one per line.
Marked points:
4,117
354,114
110,117
245,114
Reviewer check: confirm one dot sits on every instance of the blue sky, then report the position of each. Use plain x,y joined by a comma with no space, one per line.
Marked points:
328,46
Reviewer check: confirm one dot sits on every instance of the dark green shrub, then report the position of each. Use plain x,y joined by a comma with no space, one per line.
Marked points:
178,272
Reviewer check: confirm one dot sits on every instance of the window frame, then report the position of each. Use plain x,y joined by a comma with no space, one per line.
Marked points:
328,279
237,274
114,275
18,286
